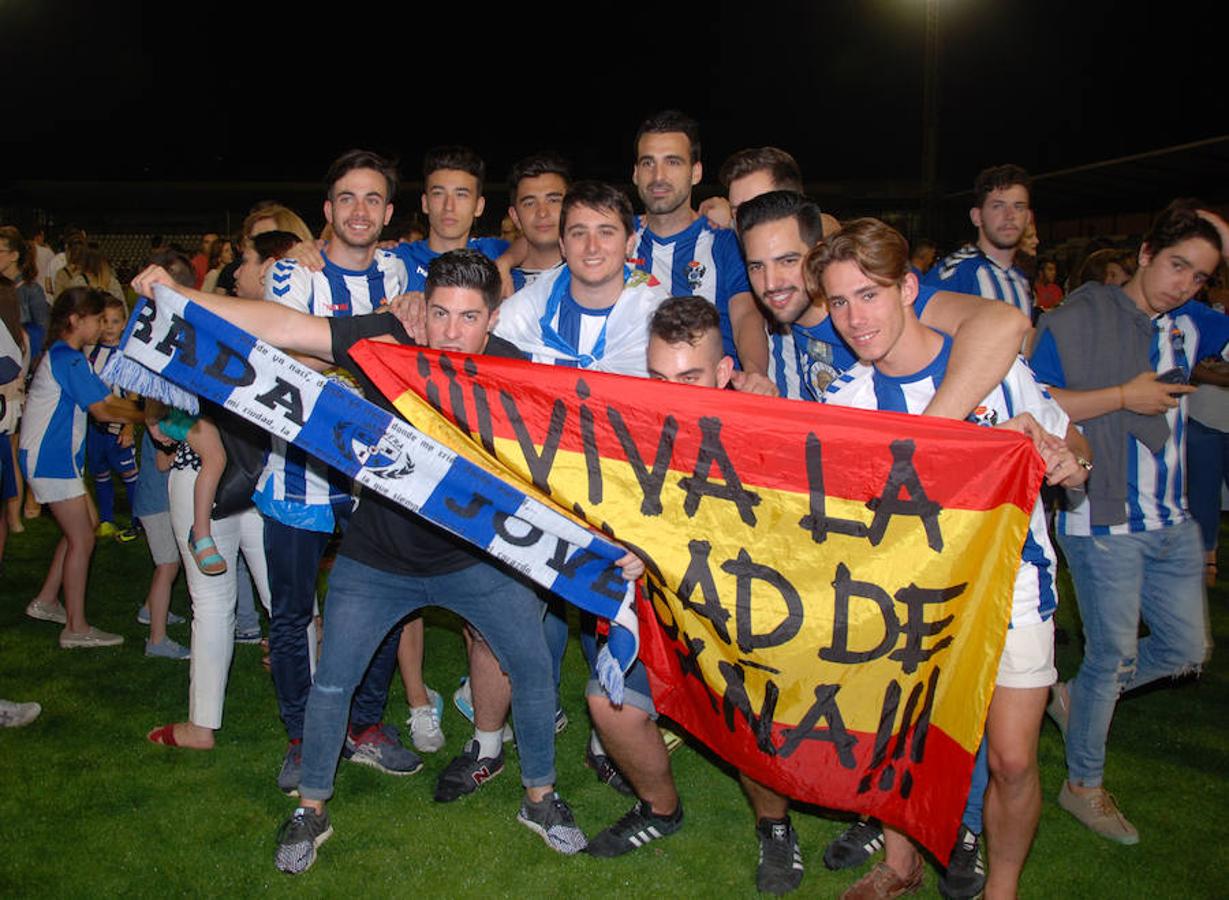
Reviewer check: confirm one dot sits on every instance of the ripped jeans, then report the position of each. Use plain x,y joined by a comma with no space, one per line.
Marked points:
1156,576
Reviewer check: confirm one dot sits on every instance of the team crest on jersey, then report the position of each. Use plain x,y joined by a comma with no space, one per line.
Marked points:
820,366
696,271
382,455
984,415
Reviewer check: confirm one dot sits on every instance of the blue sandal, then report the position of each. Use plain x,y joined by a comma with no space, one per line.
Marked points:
206,554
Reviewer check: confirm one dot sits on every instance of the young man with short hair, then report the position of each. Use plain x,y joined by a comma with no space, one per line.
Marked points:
682,249
778,230
538,184
863,277
452,200
1118,360
987,268
392,563
303,501
592,312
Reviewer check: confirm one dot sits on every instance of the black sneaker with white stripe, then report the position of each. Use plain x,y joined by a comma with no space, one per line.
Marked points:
855,845
780,868
637,827
966,873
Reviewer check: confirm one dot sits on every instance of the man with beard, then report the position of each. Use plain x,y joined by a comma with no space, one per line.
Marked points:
683,250
1001,215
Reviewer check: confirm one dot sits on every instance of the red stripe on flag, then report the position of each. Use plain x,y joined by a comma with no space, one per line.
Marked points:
962,466
925,799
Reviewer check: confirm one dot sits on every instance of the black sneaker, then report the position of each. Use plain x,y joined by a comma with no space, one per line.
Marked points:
780,868
552,818
855,845
637,827
298,839
292,769
604,768
966,874
466,773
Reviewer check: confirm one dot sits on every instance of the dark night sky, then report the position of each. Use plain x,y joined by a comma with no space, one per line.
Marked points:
114,91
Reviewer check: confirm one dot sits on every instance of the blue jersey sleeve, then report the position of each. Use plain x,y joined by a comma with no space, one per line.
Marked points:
491,248
1045,361
960,278
1213,329
79,382
731,271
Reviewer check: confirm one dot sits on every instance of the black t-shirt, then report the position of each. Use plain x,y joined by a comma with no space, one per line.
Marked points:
381,533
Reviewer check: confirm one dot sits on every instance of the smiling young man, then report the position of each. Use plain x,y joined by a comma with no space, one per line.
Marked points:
392,562
779,228
987,268
1118,360
593,312
862,275
303,501
452,200
682,248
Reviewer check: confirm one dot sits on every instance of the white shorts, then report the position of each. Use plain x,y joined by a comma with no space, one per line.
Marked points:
1028,657
161,538
53,490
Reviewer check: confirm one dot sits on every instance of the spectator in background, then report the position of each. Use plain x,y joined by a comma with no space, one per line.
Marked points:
221,254
1047,293
200,262
17,264
1104,266
925,251
43,256
58,261
14,360
271,216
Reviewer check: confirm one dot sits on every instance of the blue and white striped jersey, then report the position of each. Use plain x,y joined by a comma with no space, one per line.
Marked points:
294,488
969,271
1156,483
864,387
524,277
335,291
822,354
53,425
700,260
98,355
418,255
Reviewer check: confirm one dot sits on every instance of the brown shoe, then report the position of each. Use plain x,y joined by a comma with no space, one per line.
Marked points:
1099,813
882,883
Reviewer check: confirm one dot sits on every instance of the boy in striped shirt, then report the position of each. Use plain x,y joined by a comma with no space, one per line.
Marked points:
862,274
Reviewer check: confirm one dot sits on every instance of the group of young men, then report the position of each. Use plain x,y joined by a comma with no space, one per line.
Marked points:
786,302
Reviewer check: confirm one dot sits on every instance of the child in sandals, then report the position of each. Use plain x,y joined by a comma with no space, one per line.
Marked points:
202,436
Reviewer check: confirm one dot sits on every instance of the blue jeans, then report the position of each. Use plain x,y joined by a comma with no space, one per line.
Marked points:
1207,468
1119,579
364,604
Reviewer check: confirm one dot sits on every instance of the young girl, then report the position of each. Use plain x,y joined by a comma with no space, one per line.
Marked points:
53,451
202,436
109,445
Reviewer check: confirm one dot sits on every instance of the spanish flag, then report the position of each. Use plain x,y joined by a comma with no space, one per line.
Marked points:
828,590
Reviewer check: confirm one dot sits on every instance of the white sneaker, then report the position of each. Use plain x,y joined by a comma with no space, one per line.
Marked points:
91,637
424,723
14,715
46,612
